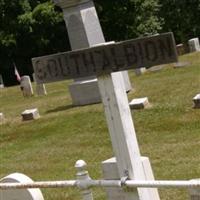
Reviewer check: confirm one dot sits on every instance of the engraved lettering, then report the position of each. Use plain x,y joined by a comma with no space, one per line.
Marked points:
151,51
40,70
75,58
130,53
52,68
165,48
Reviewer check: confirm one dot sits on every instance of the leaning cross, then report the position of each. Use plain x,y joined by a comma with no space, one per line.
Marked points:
101,61
104,59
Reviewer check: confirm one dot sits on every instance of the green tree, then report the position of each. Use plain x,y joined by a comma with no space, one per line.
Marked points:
125,19
29,28
181,17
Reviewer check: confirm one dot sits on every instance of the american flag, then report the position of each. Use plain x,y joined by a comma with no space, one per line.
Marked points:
17,73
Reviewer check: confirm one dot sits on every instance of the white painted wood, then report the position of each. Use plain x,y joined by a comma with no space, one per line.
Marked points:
110,172
153,192
22,194
194,192
121,129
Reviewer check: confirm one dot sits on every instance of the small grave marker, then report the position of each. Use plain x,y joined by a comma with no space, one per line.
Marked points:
2,118
196,101
40,88
180,49
22,194
139,103
194,44
1,82
140,71
30,114
26,86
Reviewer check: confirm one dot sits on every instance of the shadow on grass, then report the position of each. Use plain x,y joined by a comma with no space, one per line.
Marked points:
61,108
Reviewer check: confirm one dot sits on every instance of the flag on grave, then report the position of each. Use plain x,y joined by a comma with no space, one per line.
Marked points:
17,73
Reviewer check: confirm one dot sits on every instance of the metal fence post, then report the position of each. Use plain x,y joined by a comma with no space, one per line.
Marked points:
82,174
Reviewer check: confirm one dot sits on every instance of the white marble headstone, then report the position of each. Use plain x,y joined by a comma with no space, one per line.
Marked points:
194,44
2,118
19,194
26,86
30,114
40,88
1,82
196,101
139,103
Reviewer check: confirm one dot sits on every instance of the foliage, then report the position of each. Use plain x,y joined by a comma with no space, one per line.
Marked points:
28,29
182,18
125,19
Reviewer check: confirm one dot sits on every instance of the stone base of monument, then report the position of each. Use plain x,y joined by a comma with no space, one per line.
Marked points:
2,118
30,114
194,192
22,194
196,101
110,172
85,92
139,103
140,71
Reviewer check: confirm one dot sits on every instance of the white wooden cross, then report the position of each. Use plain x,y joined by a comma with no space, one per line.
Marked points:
102,61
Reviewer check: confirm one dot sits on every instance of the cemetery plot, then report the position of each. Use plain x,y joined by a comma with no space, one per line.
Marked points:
136,53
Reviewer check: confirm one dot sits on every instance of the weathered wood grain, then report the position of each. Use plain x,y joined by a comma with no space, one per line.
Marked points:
99,60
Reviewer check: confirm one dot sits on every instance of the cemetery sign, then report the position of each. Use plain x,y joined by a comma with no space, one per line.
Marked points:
103,59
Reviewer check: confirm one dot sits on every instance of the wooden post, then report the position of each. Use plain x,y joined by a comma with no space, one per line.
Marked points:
122,132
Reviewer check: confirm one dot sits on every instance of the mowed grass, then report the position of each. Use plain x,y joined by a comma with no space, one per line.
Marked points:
47,149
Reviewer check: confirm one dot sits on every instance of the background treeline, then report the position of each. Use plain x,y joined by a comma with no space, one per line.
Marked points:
30,28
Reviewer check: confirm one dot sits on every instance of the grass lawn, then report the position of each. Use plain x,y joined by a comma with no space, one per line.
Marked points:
47,149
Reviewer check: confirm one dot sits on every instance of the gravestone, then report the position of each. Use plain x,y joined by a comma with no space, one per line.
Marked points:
26,87
22,194
110,172
148,51
139,103
84,31
2,118
40,88
194,45
30,114
1,82
140,71
180,49
196,101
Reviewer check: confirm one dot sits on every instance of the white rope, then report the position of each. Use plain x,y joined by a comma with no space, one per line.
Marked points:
83,184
